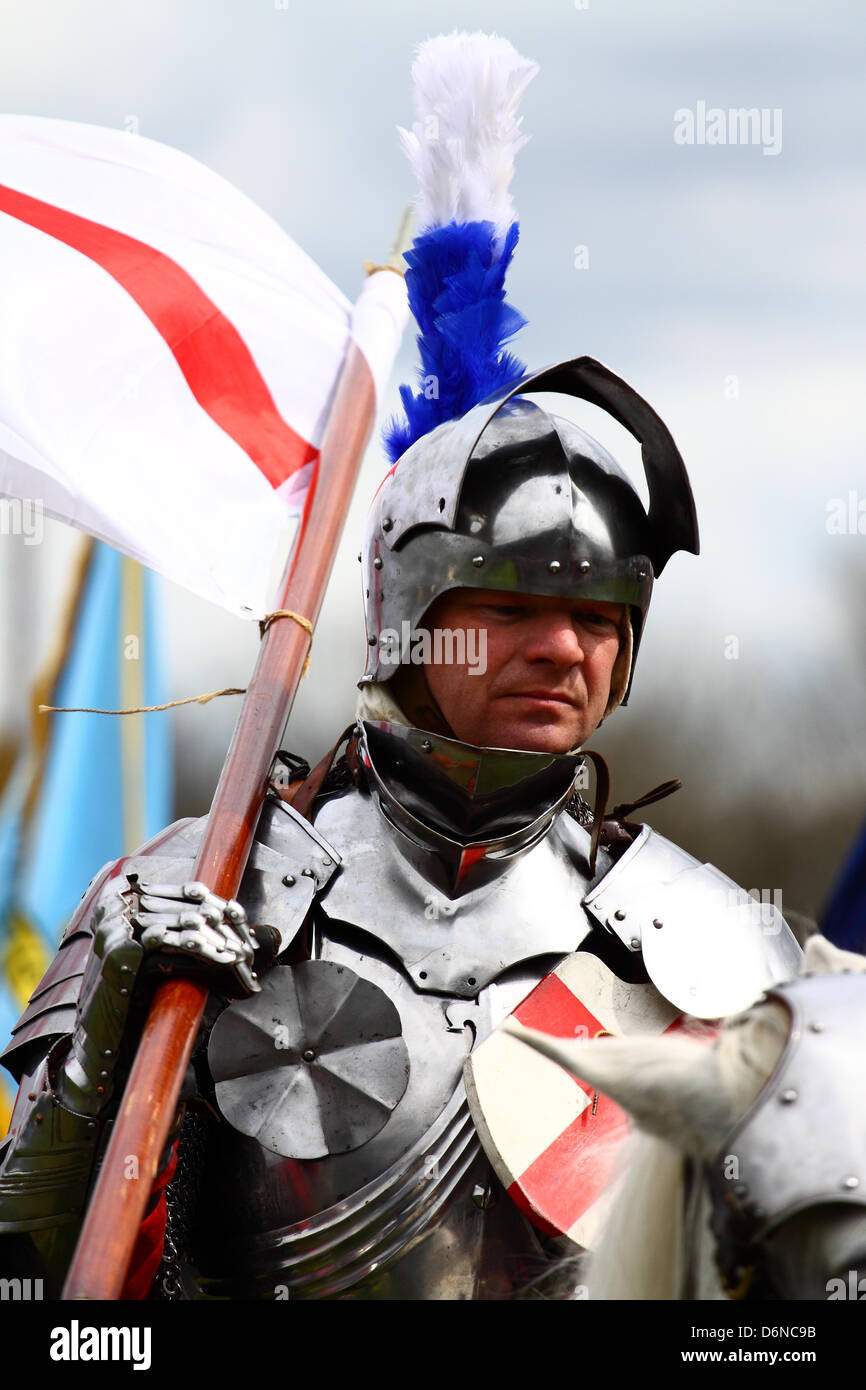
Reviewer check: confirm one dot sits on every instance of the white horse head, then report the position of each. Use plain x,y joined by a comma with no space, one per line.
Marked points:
703,1104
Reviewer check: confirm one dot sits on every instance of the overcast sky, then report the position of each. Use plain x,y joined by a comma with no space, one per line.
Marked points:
726,283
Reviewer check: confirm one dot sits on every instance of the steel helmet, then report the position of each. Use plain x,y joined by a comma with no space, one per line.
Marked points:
511,497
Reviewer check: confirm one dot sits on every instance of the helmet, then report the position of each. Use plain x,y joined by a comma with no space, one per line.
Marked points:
510,497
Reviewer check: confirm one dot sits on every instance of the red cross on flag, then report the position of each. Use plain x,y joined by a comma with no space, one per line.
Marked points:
168,354
552,1141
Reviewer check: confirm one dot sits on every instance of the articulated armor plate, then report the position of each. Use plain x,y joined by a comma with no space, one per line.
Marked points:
454,966
798,1112
708,946
346,1164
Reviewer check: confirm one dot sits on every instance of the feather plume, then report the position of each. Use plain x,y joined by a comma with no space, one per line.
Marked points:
463,145
462,148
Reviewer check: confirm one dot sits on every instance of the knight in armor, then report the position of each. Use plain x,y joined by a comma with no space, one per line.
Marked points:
402,899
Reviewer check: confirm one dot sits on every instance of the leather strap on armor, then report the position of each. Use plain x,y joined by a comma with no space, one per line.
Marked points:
302,792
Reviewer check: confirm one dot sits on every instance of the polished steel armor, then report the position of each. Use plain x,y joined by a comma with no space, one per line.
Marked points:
798,1112
394,1212
509,497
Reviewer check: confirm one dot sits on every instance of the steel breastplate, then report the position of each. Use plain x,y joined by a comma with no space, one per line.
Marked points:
434,1225
389,887
367,1221
413,1211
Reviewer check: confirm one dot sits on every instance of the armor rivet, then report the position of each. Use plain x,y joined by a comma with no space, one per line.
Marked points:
326,863
642,574
38,1119
91,1124
619,915
554,567
788,1097
422,974
100,1090
371,641
441,504
309,1055
817,1027
307,873
107,1052
635,943
31,1095
584,567
125,970
657,924
426,746
103,1073
387,524
377,563
124,991
471,980
289,880
478,561
851,1183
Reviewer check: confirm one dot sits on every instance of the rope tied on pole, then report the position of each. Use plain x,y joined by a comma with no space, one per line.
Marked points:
193,699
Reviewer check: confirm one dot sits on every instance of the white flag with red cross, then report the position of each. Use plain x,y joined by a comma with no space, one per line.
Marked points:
168,355
553,1142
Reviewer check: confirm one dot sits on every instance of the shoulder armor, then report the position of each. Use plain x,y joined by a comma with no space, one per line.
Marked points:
286,848
289,864
708,946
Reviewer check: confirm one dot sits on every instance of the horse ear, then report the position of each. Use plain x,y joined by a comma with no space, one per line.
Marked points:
671,1086
823,958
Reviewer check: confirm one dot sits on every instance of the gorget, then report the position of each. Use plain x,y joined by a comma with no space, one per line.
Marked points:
462,813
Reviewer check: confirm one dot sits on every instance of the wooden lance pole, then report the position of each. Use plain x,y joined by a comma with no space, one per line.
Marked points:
99,1266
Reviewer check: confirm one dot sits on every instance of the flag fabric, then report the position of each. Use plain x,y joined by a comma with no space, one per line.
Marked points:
553,1142
98,787
168,355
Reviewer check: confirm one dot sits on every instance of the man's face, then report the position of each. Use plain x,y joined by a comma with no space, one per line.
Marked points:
549,666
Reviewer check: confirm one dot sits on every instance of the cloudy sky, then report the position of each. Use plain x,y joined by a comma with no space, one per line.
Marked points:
725,282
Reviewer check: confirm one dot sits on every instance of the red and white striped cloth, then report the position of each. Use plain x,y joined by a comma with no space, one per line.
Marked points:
168,355
553,1142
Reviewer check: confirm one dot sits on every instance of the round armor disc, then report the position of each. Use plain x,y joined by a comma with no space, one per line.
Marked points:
313,1064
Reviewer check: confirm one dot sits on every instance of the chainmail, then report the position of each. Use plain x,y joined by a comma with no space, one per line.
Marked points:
181,1197
580,810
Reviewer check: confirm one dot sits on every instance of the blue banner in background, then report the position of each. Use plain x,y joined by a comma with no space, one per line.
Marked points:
106,782
844,918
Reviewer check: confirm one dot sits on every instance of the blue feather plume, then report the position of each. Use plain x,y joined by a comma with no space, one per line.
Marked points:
455,282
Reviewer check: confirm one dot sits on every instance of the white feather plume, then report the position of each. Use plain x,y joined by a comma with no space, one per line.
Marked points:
463,145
